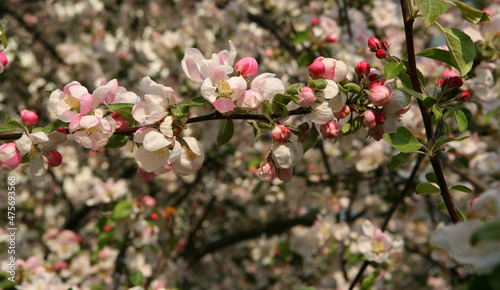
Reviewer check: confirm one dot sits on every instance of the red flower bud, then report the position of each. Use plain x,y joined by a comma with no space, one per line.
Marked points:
54,158
314,21
363,68
316,69
331,38
280,134
464,97
374,44
380,118
381,54
346,110
29,118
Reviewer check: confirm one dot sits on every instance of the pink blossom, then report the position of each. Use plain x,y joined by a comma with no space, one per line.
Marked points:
266,171
96,131
10,157
247,66
369,119
307,97
281,134
73,101
3,61
156,104
329,130
191,158
29,118
380,95
250,100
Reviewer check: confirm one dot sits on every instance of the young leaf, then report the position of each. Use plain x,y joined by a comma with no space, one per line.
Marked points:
180,111
137,278
196,102
490,231
124,109
441,206
431,177
226,132
400,159
437,54
462,122
431,9
7,128
369,280
281,98
403,140
427,188
428,101
116,141
392,70
471,14
3,38
300,37
54,125
267,110
320,84
437,114
461,214
311,141
122,210
280,109
462,49
461,188
446,139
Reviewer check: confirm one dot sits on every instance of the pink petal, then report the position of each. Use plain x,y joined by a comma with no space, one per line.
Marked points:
223,105
86,103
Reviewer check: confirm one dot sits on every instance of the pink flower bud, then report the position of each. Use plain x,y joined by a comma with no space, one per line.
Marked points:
370,119
314,21
363,68
381,54
54,158
380,118
331,38
247,66
316,69
285,174
307,97
280,134
329,130
121,122
149,201
62,130
154,216
29,118
449,73
250,100
10,158
374,44
380,95
3,59
346,110
266,172
464,97
374,83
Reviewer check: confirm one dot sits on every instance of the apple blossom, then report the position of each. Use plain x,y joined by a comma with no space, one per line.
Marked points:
29,118
95,131
73,101
250,100
329,130
288,154
335,70
10,157
267,85
380,95
191,159
222,92
247,66
369,119
29,144
266,171
156,104
3,61
155,152
307,97
281,134
376,245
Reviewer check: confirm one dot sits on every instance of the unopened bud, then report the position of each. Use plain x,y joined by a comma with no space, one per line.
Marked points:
380,95
29,118
316,69
280,134
266,172
54,158
329,130
381,54
247,66
346,110
307,97
374,44
449,73
3,61
331,38
380,118
370,120
314,21
455,82
464,97
363,68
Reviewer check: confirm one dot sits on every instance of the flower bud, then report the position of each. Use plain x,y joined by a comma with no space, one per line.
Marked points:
370,120
381,54
106,228
464,97
307,97
250,100
10,157
29,118
266,172
54,158
346,110
62,130
329,130
247,66
377,133
3,61
363,68
455,82
380,95
316,69
449,73
331,38
314,21
285,174
280,134
374,83
374,44
380,118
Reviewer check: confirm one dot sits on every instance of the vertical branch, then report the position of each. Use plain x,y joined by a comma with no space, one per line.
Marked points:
413,73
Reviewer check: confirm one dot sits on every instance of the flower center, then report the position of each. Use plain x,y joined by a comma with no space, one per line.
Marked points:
73,102
378,247
35,152
161,153
224,89
92,130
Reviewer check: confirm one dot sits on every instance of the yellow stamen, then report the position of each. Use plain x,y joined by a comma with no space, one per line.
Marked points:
224,89
91,130
161,153
73,102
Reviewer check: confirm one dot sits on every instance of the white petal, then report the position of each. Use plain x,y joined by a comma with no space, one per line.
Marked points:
39,137
89,121
23,144
176,152
38,168
155,140
166,127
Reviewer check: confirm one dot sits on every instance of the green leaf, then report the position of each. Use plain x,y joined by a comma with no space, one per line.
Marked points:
346,128
313,138
267,110
461,120
392,70
280,109
427,188
301,37
137,278
226,132
124,109
461,214
441,206
179,112
54,125
116,141
462,49
490,231
281,98
431,177
352,87
369,280
403,140
471,14
400,159
293,89
446,139
3,37
7,128
196,102
431,9
461,188
405,78
428,101
8,121
104,239
122,210
437,114
438,54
